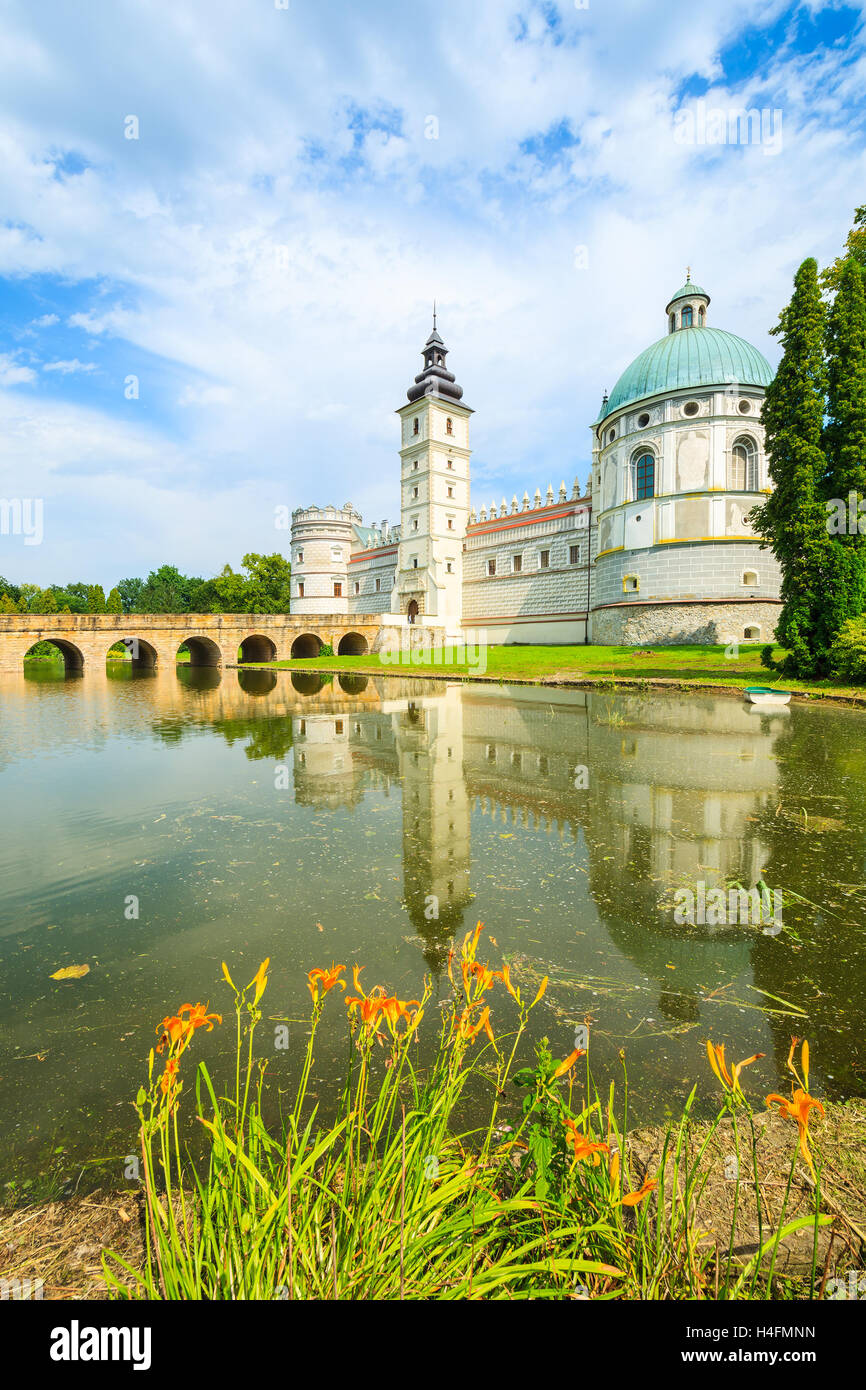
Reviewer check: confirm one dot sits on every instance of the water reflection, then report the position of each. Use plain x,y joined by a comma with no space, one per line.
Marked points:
375,819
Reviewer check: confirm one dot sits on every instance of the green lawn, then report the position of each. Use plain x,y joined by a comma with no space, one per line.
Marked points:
687,664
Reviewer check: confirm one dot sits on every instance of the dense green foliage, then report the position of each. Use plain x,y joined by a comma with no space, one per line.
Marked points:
261,586
820,587
848,653
845,430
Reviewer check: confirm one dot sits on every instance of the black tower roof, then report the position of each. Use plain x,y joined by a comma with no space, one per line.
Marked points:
435,380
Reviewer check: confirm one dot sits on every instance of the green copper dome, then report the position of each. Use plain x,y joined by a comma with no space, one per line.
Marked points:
688,290
691,357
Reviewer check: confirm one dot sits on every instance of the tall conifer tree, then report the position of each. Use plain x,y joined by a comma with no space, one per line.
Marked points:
793,518
845,431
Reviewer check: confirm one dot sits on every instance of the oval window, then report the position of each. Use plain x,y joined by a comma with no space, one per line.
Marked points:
691,408
611,436
643,421
745,407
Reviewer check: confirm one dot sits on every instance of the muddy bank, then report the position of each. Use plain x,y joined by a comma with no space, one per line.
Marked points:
61,1243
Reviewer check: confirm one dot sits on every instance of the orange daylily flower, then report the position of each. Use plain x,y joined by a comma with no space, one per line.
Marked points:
168,1080
260,979
469,1031
632,1198
505,977
798,1108
171,1030
729,1079
376,1005
199,1017
801,1104
584,1147
569,1062
175,1028
483,974
327,979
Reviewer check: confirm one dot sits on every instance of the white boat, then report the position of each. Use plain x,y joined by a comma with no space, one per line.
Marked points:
767,695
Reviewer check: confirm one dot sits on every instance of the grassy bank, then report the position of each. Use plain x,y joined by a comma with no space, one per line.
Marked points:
678,667
393,1199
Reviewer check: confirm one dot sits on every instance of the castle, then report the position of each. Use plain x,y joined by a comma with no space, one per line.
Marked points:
657,549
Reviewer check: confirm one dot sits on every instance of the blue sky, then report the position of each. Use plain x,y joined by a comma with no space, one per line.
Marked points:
305,181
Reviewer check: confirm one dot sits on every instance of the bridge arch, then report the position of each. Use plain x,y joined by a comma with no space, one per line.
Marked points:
305,646
257,647
141,653
73,657
203,651
352,644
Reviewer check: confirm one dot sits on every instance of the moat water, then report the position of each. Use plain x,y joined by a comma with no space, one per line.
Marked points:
155,825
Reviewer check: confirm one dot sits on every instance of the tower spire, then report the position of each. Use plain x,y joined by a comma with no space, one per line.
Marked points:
434,315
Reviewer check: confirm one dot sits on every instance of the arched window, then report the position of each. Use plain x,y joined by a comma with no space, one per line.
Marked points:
643,476
673,322
686,317
744,465
701,313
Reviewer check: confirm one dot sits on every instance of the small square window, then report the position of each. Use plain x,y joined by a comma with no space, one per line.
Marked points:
357,587
574,554
448,567
415,427
450,463
450,523
338,589
414,562
491,566
415,465
414,523
545,559
378,585
450,492
516,563
300,591
414,492
300,557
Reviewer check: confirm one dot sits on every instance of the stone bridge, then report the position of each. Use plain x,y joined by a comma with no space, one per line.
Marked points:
212,639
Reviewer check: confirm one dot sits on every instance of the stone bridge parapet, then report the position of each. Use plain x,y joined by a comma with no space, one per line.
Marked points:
213,639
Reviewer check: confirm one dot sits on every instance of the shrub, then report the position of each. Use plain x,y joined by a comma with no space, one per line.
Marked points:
848,652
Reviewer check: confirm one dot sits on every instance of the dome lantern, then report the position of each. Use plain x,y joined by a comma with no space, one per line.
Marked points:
688,307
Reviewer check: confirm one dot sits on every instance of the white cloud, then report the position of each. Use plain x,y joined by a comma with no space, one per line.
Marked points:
11,373
266,263
69,367
46,321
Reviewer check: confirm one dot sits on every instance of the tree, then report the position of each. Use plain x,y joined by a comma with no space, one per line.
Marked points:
793,519
165,590
95,599
269,583
47,602
855,249
8,604
130,594
11,590
114,603
845,429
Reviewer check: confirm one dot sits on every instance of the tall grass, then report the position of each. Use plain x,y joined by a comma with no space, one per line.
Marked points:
390,1199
